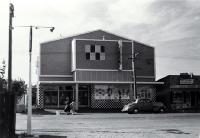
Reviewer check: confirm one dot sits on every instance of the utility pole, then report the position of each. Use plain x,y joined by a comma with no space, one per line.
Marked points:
29,93
9,86
11,15
30,86
134,79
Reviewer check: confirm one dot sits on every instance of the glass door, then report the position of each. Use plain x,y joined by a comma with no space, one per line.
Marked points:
51,99
84,97
66,92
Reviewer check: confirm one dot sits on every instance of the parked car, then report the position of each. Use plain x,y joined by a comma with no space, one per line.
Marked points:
144,105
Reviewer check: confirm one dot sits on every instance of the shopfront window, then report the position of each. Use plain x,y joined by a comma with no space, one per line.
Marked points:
50,97
145,92
56,96
110,92
177,97
63,95
64,92
84,95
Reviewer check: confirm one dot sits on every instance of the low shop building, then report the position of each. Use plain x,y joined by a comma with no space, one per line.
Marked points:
180,92
95,70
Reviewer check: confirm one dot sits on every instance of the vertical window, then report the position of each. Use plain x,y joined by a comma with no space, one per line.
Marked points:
102,56
97,56
92,56
92,48
102,49
87,56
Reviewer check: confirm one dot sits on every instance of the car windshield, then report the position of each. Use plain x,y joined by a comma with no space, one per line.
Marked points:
135,101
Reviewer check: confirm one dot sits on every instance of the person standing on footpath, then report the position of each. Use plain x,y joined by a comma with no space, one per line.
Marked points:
72,107
67,106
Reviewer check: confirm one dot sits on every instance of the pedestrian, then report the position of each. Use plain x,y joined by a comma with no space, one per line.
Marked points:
72,107
67,106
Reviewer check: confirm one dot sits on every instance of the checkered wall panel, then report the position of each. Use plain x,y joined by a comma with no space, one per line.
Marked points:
95,52
154,95
40,98
107,103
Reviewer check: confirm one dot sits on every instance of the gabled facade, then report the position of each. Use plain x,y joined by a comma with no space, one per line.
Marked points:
95,70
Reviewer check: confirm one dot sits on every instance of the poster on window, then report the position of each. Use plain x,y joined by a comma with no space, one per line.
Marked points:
110,92
145,92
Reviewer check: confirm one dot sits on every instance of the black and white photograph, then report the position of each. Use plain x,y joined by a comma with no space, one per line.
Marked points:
100,69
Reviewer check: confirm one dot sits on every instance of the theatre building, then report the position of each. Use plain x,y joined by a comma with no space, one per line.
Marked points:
180,92
95,70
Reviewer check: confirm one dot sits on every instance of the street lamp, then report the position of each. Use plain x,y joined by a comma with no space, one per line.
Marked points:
29,95
30,85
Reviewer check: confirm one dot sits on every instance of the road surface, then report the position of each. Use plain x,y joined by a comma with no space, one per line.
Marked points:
113,125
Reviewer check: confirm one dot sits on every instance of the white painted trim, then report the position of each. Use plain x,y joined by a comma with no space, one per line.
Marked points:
75,76
55,76
96,70
154,61
145,76
127,70
40,56
96,82
120,46
100,70
73,55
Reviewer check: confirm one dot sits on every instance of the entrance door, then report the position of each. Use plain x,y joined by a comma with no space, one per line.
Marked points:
63,95
193,99
65,92
83,96
198,99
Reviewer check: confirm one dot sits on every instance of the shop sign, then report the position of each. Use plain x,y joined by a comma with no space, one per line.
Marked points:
186,81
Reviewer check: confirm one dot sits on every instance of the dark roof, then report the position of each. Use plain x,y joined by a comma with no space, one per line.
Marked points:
97,34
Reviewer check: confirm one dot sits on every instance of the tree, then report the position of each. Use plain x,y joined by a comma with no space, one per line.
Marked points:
3,82
19,87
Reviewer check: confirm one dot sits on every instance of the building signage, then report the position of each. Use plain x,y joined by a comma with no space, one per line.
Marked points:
186,81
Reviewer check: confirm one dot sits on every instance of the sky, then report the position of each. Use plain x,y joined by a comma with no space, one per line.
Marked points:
172,27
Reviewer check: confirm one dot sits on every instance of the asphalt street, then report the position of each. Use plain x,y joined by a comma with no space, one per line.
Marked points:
113,125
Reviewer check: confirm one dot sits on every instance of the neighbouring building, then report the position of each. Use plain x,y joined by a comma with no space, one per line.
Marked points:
95,70
180,92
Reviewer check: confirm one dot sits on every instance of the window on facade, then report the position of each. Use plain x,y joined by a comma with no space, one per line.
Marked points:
97,56
92,48
87,56
95,52
51,98
102,49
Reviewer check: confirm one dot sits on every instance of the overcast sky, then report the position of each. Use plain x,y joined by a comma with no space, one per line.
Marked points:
171,26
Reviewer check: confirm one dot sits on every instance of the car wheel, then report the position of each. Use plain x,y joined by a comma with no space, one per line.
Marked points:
135,110
161,110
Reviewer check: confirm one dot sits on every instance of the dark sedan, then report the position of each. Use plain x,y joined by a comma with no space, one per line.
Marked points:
144,105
